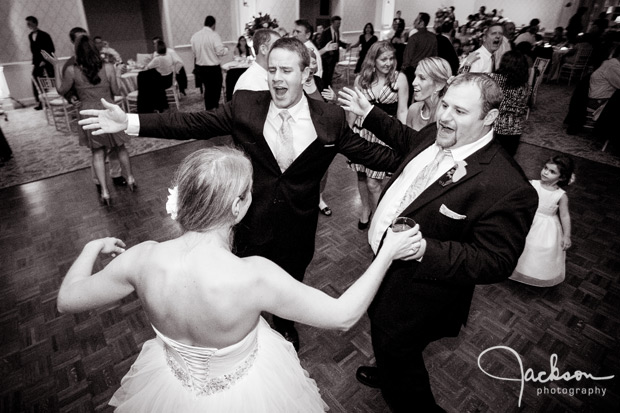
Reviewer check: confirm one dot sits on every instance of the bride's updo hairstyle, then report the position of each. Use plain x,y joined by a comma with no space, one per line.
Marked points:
209,180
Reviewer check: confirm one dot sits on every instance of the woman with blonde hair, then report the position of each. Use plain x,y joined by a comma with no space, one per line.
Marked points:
387,89
431,78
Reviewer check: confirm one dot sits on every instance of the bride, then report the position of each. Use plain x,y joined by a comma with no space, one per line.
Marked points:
213,351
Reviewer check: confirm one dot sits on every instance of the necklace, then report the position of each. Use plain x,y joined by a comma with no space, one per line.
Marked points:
422,113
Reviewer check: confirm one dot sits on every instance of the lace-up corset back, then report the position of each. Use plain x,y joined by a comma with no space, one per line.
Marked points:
207,370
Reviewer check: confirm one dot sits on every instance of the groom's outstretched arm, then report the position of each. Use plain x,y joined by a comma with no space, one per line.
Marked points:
198,125
181,126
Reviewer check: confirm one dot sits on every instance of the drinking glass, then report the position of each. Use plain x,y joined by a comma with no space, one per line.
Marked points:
400,224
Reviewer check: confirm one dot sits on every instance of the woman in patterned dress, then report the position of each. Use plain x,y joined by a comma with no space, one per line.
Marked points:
512,77
387,89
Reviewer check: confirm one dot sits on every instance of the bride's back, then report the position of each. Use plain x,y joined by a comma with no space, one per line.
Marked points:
196,295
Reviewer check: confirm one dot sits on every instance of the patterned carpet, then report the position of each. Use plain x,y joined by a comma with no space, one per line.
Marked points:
41,152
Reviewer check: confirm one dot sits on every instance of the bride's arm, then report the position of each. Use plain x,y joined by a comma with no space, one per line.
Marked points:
280,294
81,290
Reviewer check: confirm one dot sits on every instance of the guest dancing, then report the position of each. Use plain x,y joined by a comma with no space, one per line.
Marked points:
291,140
385,87
512,78
93,80
213,351
431,77
475,208
366,39
542,263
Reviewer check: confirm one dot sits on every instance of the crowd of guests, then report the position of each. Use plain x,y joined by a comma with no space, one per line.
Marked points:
415,115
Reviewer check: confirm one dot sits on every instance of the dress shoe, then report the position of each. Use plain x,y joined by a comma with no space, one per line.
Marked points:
362,225
119,181
292,336
326,211
368,376
40,107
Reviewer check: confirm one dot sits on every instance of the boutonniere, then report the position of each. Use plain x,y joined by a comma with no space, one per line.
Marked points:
455,174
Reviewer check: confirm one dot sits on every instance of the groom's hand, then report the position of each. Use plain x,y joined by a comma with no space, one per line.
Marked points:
112,119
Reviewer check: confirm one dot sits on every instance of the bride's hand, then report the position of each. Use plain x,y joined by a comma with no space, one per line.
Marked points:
403,245
111,245
112,119
354,101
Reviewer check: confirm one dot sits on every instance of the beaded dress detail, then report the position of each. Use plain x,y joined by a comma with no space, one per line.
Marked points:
259,374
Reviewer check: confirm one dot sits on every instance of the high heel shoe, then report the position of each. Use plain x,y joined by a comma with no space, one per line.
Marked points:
132,186
107,201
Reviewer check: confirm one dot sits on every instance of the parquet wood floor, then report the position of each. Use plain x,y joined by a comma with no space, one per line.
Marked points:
73,363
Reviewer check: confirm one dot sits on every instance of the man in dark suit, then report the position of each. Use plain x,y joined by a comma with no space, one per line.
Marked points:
281,223
39,41
329,45
474,206
445,49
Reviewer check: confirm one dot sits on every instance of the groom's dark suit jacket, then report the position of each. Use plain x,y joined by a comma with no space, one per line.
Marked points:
281,222
497,204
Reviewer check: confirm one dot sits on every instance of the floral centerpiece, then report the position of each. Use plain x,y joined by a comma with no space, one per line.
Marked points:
263,21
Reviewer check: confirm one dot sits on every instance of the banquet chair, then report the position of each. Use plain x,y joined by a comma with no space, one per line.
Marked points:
52,94
538,73
131,102
122,102
349,62
577,67
63,113
172,93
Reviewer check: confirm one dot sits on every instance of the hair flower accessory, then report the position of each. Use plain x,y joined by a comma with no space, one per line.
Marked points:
172,206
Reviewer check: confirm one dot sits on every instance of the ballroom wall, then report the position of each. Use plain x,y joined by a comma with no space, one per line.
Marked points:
55,17
551,13
181,18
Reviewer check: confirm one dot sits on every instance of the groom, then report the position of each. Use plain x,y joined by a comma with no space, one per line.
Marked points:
474,206
291,141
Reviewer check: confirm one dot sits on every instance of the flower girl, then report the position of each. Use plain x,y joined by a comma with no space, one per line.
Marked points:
542,263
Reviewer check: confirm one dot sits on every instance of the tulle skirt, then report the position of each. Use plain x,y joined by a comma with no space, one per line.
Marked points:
275,382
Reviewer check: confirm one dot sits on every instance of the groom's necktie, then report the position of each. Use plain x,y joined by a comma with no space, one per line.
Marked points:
285,152
422,180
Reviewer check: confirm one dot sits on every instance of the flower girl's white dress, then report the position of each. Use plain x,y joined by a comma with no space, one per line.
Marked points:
543,260
261,373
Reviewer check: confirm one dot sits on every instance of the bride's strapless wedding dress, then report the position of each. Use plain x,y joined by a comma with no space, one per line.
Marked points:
261,373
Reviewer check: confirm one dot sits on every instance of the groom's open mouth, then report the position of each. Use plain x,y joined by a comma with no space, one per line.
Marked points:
280,90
